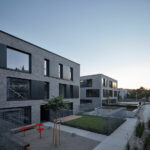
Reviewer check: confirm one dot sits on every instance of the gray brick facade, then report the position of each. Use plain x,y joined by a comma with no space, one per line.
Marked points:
37,73
97,85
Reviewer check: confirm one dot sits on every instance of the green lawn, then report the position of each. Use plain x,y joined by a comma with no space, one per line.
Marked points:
96,124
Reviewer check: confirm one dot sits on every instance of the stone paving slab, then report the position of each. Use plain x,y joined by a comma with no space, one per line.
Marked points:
68,141
146,113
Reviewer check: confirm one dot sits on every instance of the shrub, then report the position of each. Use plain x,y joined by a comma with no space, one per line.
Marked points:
149,124
139,129
146,145
135,148
128,146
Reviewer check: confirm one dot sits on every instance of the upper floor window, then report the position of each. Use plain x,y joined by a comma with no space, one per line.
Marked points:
114,85
104,82
17,60
71,73
110,84
60,71
86,83
46,67
92,93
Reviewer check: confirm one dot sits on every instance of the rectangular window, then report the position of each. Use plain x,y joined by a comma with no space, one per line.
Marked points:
71,91
62,90
105,93
110,93
18,115
60,71
46,90
17,60
71,72
92,93
110,84
46,67
18,89
114,85
85,101
115,93
104,82
86,83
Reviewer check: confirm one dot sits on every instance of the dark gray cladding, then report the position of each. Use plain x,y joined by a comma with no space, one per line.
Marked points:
37,89
75,91
3,58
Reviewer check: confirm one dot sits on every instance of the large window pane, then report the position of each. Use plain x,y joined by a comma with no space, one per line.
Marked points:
86,83
17,60
92,93
18,89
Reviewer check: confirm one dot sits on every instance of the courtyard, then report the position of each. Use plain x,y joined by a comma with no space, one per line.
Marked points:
68,141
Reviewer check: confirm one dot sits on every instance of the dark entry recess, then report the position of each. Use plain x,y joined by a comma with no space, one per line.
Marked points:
44,114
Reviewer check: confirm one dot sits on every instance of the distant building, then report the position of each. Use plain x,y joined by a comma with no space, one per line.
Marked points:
98,89
122,93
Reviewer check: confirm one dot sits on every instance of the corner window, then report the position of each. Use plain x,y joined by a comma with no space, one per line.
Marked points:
60,71
17,60
46,67
86,83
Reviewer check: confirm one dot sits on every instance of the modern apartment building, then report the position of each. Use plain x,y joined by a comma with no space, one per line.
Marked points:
28,75
97,90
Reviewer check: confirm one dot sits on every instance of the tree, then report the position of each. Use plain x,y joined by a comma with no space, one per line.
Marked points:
56,104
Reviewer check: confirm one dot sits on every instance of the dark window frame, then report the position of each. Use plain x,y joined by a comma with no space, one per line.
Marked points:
61,71
14,99
71,72
47,67
30,60
94,93
86,83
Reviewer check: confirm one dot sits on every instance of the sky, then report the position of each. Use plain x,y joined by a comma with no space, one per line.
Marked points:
111,37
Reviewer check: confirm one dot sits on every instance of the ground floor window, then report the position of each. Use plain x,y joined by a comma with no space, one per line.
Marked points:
18,89
85,101
18,116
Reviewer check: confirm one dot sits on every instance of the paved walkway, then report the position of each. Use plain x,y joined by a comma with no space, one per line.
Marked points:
119,138
68,118
80,132
146,113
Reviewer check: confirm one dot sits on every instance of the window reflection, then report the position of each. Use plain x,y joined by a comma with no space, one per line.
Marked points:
17,60
18,89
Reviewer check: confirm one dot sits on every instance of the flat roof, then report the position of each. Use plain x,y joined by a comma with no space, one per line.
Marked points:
97,75
37,46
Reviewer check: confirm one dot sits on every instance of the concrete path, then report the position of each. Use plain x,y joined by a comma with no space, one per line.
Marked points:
119,138
146,113
80,132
